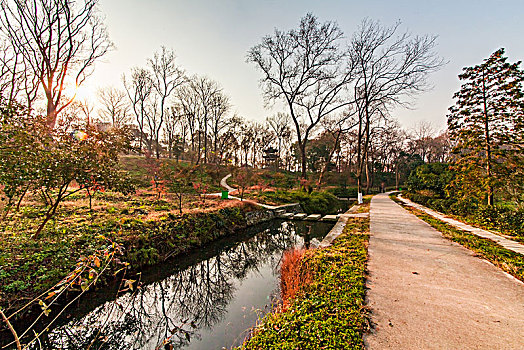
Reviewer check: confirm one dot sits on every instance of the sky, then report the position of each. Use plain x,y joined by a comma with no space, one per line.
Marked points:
212,37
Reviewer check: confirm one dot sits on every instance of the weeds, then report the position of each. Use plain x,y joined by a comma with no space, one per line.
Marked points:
292,275
326,312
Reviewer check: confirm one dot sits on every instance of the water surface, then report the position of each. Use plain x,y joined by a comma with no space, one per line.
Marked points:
208,299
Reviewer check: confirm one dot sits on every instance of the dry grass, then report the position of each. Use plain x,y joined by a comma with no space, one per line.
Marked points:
292,275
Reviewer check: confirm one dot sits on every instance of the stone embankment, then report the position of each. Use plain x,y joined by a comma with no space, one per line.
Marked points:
294,212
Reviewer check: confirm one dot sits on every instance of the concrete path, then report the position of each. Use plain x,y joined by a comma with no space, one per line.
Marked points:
224,184
506,243
426,292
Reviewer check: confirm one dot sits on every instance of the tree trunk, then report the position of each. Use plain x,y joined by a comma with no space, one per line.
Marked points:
367,175
488,143
215,148
21,198
328,160
48,216
51,113
303,165
279,153
205,142
359,153
7,208
396,176
359,193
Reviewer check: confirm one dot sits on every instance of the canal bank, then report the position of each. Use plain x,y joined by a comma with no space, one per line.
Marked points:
140,244
328,309
208,299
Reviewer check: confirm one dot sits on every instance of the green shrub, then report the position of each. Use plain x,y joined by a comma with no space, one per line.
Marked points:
15,286
500,218
487,215
418,198
312,203
428,185
142,257
320,203
441,205
345,192
514,221
432,177
464,207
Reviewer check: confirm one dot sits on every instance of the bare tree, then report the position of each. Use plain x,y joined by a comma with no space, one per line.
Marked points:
280,125
430,145
174,131
114,106
210,98
387,143
306,70
218,121
421,139
86,109
246,137
16,85
58,42
440,148
188,103
139,91
166,77
204,105
229,145
263,137
390,69
335,126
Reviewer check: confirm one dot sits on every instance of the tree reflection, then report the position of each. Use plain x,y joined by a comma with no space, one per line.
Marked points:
169,313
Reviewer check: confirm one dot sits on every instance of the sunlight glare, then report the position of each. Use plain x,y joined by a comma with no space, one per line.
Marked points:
80,93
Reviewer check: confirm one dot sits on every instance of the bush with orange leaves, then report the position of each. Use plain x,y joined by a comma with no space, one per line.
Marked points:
293,275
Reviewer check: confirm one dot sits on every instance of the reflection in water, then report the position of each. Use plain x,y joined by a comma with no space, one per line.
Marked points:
208,302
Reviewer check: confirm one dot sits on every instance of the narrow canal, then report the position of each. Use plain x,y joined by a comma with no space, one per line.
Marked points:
208,299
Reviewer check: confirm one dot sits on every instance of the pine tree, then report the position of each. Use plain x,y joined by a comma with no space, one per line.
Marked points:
486,125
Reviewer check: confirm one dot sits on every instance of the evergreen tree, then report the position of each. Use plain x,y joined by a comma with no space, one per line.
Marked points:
486,127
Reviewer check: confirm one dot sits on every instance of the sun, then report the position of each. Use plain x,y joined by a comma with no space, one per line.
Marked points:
80,93
83,93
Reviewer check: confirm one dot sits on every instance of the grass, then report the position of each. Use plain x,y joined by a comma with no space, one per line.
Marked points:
507,260
504,218
148,229
312,203
364,207
328,312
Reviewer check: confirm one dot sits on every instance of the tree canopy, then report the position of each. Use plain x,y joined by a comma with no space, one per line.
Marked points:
486,127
